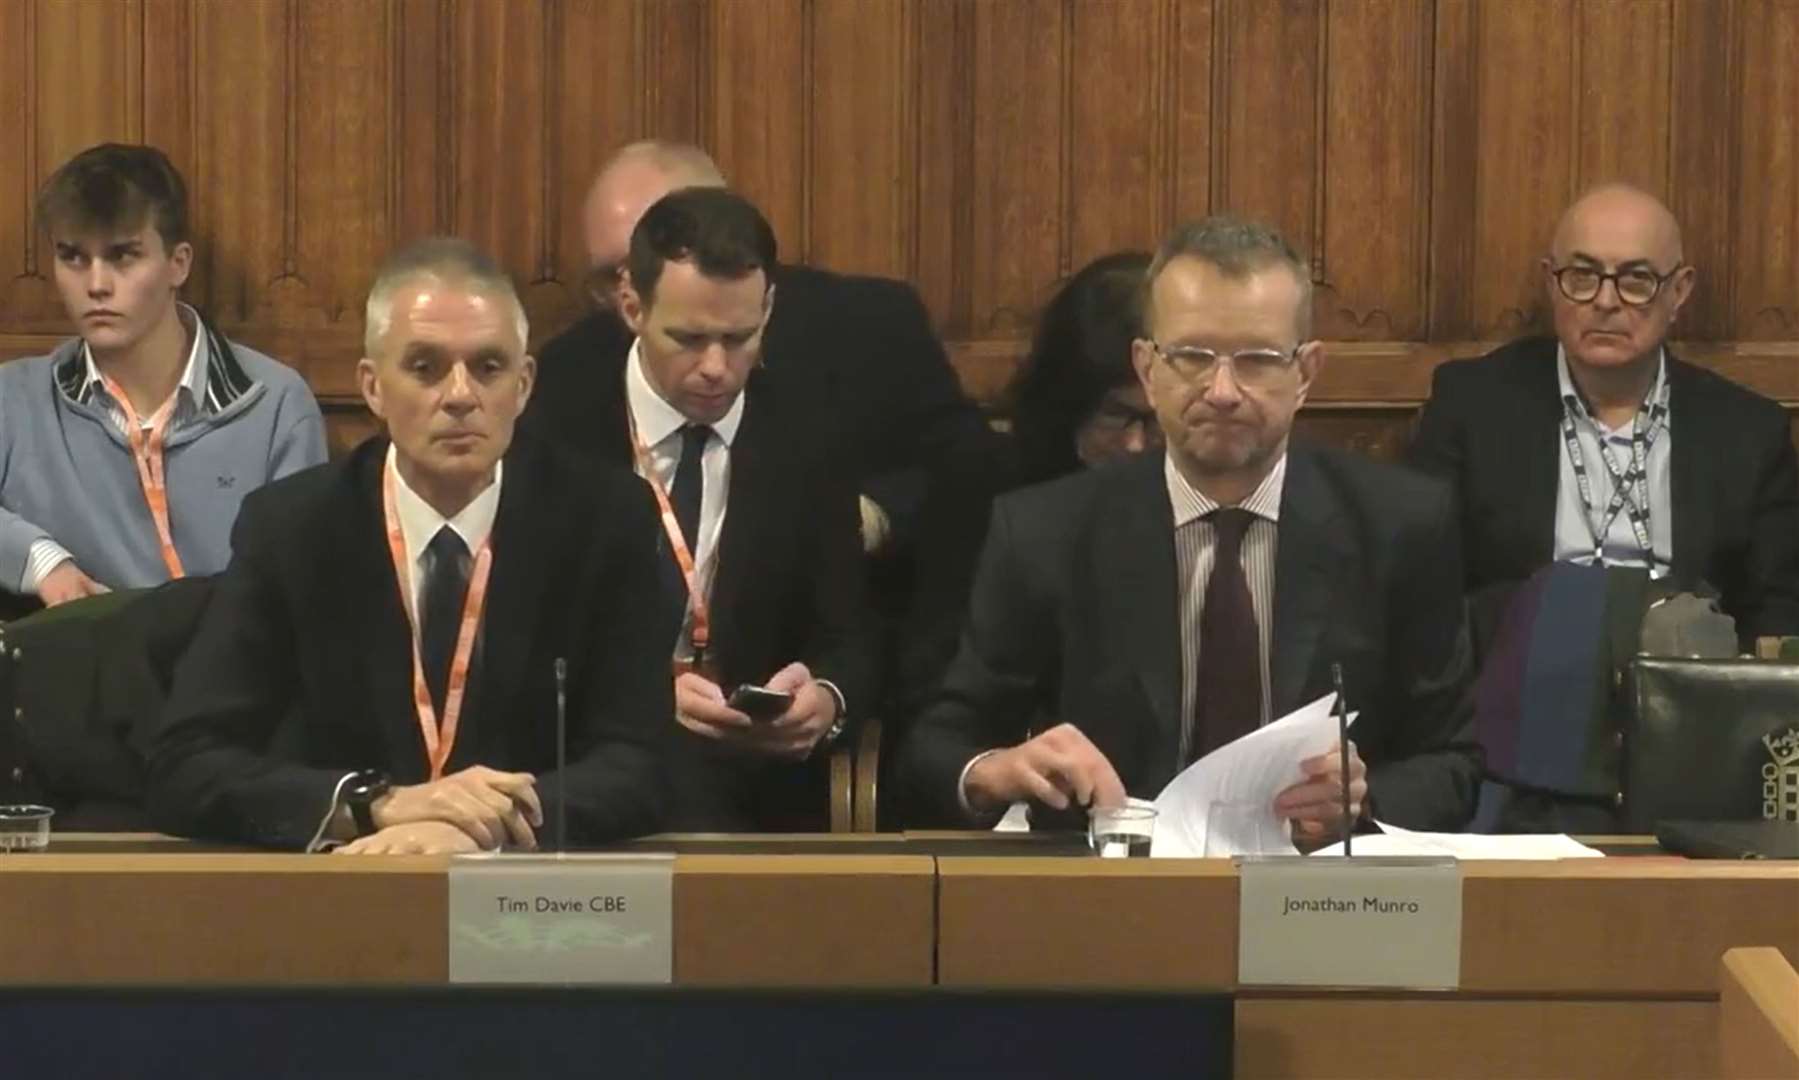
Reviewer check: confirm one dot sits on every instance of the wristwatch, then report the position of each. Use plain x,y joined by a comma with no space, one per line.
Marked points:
360,793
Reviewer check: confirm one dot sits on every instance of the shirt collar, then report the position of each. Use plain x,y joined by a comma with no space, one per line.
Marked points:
1565,379
193,377
420,521
1190,504
655,418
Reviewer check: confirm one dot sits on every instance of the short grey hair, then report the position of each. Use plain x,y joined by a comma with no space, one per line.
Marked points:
444,260
1237,247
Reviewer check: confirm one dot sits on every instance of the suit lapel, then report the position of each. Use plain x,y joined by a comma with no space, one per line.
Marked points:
1535,455
1308,557
1689,490
1139,582
374,610
524,551
750,472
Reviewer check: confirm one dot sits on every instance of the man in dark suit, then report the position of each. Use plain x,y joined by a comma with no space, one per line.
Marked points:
1598,445
384,660
1139,615
759,552
859,351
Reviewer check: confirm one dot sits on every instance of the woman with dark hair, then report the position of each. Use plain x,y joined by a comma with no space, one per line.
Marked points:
1076,400
1074,403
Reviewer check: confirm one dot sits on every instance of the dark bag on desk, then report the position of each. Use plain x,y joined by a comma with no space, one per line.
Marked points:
1712,740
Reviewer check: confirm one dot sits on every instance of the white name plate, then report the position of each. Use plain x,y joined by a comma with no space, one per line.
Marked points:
562,919
1350,922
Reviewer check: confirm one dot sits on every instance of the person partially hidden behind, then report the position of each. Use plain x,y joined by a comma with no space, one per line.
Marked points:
1599,446
381,663
1129,618
128,449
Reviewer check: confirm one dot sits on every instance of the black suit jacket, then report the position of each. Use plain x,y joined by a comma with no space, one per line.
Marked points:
1491,428
788,584
302,666
1074,618
862,363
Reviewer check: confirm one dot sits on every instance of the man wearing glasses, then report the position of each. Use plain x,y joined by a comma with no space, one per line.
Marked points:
1130,618
1599,447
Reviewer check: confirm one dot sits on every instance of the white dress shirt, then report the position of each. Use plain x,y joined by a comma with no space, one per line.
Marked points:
419,522
659,426
1573,527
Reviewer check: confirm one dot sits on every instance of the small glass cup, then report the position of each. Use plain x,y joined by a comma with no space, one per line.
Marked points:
1245,828
25,827
1121,832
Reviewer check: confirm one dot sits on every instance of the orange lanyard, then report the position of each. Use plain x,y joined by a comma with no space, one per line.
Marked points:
701,631
438,742
147,450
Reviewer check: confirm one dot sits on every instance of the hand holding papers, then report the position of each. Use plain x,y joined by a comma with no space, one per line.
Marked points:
1242,780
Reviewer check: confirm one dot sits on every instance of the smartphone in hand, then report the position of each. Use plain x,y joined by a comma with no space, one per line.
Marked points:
758,703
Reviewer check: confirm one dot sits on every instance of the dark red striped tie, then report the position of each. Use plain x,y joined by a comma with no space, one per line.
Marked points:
1228,700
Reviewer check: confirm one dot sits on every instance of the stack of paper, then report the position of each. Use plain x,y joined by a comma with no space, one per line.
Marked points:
1393,840
1223,804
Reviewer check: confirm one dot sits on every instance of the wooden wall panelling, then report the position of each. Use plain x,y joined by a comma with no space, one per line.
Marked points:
945,162
75,77
1766,256
1621,108
1374,175
1706,104
1196,41
863,120
670,40
760,65
1016,244
1523,57
1118,121
1267,114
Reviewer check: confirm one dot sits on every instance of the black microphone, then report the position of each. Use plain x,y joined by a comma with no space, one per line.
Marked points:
561,754
1343,753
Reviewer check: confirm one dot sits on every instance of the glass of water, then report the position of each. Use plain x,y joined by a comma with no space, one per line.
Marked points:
1121,832
24,828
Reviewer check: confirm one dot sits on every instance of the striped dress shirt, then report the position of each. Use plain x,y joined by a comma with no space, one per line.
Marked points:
1195,541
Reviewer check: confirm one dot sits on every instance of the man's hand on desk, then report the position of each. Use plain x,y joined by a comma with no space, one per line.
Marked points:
1057,767
494,809
1315,804
413,838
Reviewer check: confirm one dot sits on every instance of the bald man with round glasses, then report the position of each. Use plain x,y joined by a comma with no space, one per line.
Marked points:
1599,446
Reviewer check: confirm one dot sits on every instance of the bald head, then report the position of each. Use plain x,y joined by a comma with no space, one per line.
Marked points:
631,181
1617,223
1616,279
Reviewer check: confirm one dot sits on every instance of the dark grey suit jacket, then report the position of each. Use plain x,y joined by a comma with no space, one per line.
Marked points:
1074,618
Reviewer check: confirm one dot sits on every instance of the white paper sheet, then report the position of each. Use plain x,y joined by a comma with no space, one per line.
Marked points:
1242,778
1393,840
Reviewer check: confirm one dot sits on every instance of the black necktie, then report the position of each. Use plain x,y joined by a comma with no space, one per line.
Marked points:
446,586
1228,698
690,483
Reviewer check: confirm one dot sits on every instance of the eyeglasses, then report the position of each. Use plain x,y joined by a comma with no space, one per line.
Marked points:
1250,367
1116,418
601,280
1636,286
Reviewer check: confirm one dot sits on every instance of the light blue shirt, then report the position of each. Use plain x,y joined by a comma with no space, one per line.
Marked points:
1574,529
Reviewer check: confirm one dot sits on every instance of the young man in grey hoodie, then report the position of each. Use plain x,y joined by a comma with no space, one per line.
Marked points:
125,452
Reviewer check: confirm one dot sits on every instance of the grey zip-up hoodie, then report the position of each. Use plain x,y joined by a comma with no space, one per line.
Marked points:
67,473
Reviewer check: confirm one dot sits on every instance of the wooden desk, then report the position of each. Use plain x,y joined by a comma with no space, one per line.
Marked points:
293,920
1583,968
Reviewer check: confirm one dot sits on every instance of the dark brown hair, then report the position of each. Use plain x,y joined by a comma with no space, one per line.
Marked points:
115,188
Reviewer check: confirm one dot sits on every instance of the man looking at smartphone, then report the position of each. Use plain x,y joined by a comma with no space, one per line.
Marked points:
759,536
